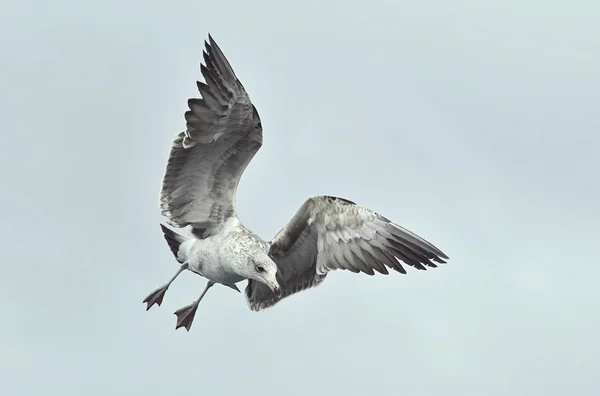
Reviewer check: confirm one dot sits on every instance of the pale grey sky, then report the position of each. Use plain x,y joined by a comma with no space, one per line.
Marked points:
472,123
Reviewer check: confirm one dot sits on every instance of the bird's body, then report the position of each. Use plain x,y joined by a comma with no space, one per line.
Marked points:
217,257
205,165
209,257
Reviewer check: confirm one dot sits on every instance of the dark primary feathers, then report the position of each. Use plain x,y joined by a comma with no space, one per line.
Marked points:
174,240
329,233
207,160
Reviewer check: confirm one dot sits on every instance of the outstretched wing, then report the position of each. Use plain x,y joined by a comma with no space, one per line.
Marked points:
223,134
329,233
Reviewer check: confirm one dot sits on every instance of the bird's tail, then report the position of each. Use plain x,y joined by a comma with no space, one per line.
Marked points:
174,240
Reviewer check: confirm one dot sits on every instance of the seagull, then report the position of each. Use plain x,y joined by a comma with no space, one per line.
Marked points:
198,196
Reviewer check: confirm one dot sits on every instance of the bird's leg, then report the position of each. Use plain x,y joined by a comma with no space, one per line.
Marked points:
185,315
157,295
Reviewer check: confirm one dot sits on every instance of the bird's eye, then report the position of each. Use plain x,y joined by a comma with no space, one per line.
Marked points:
260,268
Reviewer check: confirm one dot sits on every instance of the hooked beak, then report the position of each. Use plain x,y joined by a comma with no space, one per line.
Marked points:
275,288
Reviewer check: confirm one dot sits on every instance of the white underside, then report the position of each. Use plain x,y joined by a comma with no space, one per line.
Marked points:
210,257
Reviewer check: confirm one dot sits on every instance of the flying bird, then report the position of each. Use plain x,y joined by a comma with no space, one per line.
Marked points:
198,196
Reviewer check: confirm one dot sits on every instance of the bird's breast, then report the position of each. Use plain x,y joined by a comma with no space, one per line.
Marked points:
210,261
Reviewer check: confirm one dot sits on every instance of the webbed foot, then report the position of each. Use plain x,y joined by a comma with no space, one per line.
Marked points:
156,297
185,315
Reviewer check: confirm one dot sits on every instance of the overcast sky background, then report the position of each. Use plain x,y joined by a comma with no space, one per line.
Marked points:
473,123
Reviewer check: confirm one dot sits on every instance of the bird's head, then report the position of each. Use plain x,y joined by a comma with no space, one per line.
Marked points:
264,270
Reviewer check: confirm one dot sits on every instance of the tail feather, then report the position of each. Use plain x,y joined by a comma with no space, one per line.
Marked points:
174,240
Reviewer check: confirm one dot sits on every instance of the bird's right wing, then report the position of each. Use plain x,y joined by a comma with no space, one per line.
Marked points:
329,233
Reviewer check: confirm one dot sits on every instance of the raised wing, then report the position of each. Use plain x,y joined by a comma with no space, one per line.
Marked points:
329,233
223,134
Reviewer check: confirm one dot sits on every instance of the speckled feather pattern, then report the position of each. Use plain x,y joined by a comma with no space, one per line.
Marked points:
327,233
223,257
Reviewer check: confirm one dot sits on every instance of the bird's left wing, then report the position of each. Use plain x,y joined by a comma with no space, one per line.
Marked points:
208,159
329,233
